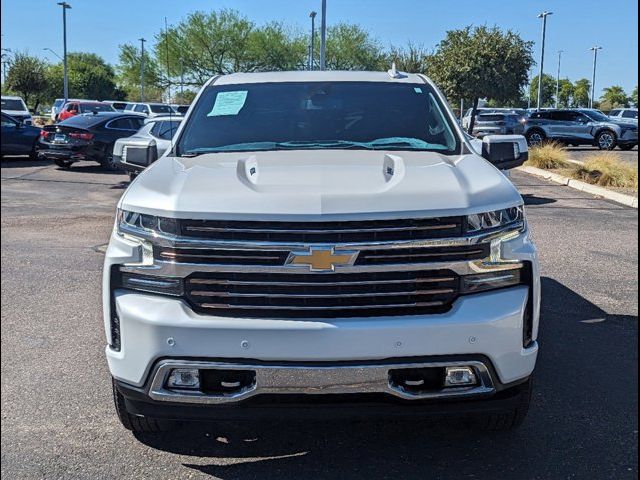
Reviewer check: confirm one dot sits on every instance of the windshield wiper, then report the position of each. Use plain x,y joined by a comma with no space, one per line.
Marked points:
293,144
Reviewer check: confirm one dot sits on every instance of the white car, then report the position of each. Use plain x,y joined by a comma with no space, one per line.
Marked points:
466,119
16,108
137,152
322,242
624,114
149,109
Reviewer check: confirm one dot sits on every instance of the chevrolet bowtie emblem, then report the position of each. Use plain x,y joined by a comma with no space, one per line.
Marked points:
321,259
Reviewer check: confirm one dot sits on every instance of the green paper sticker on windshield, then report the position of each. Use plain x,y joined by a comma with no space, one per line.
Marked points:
228,103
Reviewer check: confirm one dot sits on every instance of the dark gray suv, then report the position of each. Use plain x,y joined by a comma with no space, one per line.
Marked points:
580,127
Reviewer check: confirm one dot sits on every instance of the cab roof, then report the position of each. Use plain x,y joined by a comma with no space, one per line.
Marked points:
315,76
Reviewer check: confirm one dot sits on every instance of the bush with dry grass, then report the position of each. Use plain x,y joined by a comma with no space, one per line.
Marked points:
606,169
549,156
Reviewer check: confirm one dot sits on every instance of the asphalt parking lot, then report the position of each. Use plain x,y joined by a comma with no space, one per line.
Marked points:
58,420
582,153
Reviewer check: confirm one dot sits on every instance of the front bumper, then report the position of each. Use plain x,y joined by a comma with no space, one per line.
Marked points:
139,401
154,329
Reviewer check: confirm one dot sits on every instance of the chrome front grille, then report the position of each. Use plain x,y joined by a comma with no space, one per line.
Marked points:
320,295
318,269
324,232
378,256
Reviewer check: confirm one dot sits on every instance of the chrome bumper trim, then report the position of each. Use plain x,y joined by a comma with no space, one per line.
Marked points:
314,380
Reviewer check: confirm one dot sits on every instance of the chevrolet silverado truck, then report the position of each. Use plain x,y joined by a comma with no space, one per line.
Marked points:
322,244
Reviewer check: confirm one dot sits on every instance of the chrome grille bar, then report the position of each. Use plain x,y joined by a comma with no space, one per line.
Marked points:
333,307
203,293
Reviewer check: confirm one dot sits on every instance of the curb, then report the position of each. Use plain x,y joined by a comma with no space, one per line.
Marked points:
621,198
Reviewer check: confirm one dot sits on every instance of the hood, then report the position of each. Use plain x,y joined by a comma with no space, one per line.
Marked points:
17,113
333,184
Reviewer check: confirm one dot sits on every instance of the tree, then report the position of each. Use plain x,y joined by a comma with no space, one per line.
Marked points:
26,76
613,97
130,63
412,58
566,93
349,47
581,93
274,48
634,97
481,62
89,77
206,44
548,91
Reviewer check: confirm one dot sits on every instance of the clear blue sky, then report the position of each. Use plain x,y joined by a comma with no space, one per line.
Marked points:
101,25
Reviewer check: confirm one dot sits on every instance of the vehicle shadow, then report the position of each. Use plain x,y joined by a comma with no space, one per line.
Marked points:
587,370
531,199
23,162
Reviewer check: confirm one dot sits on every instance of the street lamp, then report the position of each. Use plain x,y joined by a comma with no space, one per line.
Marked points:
142,40
543,16
312,47
65,6
594,49
50,50
323,35
558,79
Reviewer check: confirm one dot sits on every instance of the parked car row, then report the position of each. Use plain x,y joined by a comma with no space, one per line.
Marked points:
581,127
571,126
61,110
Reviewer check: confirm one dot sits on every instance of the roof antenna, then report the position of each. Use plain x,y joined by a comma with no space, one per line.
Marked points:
394,73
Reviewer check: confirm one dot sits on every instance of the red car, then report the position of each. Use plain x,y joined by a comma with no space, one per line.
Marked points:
75,108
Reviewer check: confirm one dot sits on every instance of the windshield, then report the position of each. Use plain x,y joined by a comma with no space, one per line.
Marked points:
161,108
596,115
13,104
318,115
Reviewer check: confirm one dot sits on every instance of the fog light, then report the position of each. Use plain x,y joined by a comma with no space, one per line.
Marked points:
459,376
184,378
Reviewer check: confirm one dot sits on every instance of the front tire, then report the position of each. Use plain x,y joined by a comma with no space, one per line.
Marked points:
508,419
606,140
66,164
109,162
133,176
135,423
535,137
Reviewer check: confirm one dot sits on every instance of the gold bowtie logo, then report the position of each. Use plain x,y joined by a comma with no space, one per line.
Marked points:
321,259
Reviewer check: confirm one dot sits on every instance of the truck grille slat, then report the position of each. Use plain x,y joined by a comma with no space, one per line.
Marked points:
324,232
273,295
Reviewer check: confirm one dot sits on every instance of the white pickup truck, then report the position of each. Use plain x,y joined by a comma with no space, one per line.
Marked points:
322,243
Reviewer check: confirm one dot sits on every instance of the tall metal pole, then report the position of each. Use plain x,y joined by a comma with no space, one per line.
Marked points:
593,79
313,40
323,35
65,6
142,40
558,79
543,16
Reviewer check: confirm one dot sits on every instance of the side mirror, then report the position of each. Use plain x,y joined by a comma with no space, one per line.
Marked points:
505,151
140,151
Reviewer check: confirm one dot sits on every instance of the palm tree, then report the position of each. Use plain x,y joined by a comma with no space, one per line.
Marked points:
615,96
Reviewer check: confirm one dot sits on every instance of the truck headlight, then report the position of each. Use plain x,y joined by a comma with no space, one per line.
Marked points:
143,225
496,220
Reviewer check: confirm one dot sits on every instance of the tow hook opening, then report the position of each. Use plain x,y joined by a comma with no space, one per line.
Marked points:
429,379
225,382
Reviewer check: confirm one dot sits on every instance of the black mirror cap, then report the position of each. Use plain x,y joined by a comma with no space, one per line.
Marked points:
505,151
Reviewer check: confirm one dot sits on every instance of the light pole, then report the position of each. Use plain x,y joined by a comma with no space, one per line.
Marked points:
543,16
312,47
142,40
65,6
594,49
51,50
323,35
558,79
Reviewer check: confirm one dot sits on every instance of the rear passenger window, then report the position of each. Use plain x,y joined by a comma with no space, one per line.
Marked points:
133,124
164,129
630,114
614,113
